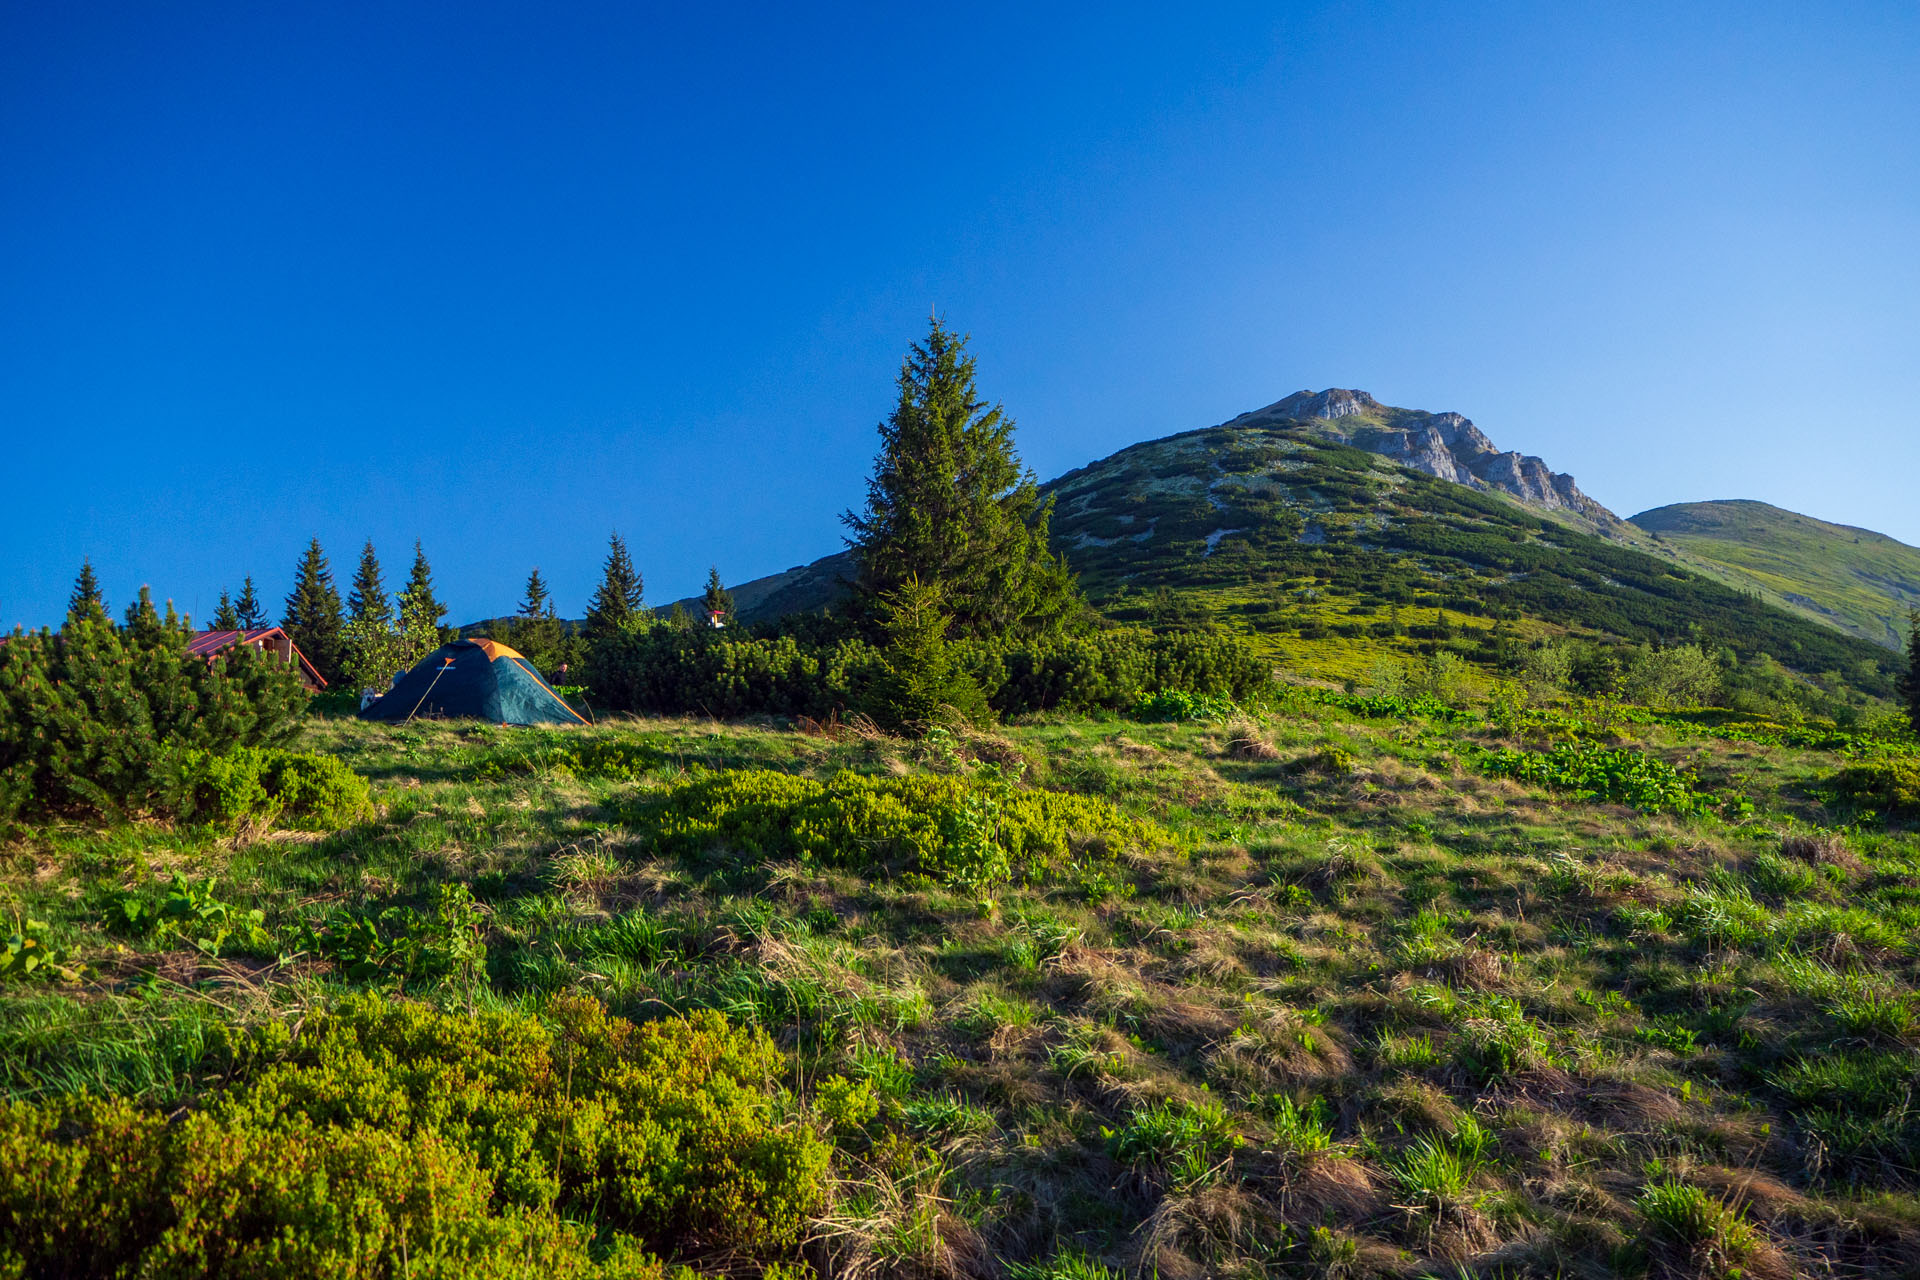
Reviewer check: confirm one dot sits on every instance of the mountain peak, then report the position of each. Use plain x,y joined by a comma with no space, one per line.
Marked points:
1334,402
1446,445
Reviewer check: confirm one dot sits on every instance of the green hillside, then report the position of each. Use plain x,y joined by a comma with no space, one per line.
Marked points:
1854,579
1304,543
1357,534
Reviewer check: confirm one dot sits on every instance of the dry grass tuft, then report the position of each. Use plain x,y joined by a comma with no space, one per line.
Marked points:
1829,847
1245,741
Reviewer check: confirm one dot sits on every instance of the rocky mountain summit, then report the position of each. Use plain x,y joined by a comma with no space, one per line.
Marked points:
1445,445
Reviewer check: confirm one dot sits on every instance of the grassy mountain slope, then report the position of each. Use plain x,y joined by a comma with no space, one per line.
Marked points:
1854,579
1298,540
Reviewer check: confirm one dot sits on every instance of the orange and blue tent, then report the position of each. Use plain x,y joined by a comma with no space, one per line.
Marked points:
473,679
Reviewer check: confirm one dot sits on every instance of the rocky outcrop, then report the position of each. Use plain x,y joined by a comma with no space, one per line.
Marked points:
1446,445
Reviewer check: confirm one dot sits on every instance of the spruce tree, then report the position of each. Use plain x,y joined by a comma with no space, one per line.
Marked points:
619,600
87,599
921,682
252,616
717,599
539,601
225,616
419,590
950,504
313,613
370,649
535,631
1911,685
368,601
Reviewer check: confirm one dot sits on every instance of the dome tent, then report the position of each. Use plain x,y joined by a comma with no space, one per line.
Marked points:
477,679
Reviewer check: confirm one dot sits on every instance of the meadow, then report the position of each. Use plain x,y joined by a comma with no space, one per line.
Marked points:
1333,986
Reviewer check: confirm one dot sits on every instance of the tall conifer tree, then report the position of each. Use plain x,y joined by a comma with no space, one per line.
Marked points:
368,601
717,599
225,616
252,615
950,504
313,612
87,598
1911,686
539,601
620,598
418,600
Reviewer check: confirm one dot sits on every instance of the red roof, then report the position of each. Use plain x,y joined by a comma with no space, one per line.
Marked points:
206,644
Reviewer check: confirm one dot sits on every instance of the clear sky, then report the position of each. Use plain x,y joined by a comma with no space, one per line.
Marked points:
506,277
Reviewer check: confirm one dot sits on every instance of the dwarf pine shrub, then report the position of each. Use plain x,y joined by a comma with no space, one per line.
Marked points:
963,831
107,720
389,1138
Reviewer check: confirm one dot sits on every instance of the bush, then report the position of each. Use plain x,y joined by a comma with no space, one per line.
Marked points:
664,670
298,789
965,832
1889,787
389,1135
1114,670
112,721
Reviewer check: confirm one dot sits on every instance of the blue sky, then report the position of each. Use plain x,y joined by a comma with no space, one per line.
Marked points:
504,278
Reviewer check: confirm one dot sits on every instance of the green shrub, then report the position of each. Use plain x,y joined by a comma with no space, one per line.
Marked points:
963,831
112,721
1890,787
669,671
389,1138
1112,670
254,785
846,1104
1334,762
315,792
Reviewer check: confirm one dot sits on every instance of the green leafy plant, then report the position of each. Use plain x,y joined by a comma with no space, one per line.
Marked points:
27,954
1182,707
407,946
1618,775
194,913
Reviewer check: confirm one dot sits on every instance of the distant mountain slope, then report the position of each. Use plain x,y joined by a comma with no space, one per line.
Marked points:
1854,579
1336,530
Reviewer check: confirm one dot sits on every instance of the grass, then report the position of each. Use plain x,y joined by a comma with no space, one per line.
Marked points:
1394,1018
